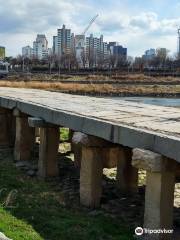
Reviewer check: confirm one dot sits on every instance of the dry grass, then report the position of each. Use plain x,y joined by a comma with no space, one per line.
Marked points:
94,88
133,77
114,77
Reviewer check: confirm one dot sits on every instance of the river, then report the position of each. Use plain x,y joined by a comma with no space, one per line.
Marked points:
169,102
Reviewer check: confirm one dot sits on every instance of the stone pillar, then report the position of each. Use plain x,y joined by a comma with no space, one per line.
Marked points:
37,132
6,128
49,145
91,176
25,138
76,147
71,132
92,170
159,191
127,175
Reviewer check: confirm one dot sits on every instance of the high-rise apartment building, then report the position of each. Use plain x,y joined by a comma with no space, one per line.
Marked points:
73,49
149,54
62,43
90,51
64,40
55,45
121,52
80,49
105,50
95,50
27,52
2,53
117,52
40,47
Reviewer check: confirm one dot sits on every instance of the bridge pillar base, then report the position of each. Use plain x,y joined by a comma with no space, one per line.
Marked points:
49,145
159,191
95,153
127,175
6,128
25,139
91,176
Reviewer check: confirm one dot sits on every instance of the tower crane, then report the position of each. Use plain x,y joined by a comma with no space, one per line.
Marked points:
90,23
179,43
82,36
87,28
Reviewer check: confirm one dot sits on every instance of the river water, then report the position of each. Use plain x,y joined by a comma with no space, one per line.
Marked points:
169,102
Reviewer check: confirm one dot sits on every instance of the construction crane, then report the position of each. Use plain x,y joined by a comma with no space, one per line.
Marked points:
89,25
178,43
80,39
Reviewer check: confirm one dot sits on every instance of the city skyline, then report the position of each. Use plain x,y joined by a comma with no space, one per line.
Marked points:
137,26
80,49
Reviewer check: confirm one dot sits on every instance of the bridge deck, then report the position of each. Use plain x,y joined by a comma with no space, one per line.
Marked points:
131,124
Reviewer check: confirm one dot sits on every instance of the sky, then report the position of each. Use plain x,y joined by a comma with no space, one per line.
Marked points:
137,25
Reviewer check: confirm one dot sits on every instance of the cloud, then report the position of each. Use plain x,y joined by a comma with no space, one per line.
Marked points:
36,15
135,29
149,23
144,21
107,24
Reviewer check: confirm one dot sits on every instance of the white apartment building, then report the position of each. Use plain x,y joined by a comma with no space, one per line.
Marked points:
40,47
27,52
62,42
105,50
55,45
149,54
80,49
91,50
96,50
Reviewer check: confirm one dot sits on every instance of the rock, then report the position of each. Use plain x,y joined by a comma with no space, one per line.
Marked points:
105,207
31,173
22,164
147,160
34,167
88,140
3,237
95,213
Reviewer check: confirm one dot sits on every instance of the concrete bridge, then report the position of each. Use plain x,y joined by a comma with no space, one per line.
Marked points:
118,133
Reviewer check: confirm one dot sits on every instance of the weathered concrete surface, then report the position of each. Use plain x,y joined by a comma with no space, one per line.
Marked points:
127,175
38,123
24,141
131,124
6,128
154,162
147,160
159,203
91,176
110,152
160,182
48,151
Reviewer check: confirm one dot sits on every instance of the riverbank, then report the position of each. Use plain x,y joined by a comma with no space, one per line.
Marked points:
91,78
121,90
38,210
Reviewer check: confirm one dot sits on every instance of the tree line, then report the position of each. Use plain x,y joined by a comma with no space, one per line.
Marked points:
54,63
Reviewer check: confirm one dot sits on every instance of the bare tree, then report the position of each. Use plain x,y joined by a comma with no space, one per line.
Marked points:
112,61
84,59
162,54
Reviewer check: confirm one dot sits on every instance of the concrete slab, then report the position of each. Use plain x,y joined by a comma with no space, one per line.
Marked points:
131,124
